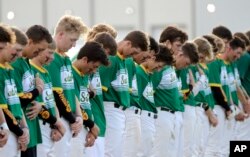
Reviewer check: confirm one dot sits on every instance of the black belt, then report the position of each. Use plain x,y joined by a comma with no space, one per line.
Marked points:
137,111
119,106
152,115
167,109
203,105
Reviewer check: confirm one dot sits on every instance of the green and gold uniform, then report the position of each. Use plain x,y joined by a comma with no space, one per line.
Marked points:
114,79
25,82
166,89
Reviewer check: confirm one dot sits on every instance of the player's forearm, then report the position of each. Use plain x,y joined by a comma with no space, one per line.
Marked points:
12,123
220,98
27,98
46,116
63,107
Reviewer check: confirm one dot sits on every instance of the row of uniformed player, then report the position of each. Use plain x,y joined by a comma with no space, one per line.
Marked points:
143,93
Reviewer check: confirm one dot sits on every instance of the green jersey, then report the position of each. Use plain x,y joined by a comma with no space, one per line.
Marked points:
81,91
60,70
145,89
47,97
166,89
219,77
114,79
243,65
97,103
183,74
25,82
131,66
8,93
205,93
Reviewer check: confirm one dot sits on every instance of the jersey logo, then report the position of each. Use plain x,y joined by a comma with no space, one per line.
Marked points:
84,98
168,80
134,86
205,86
67,78
148,92
121,81
28,81
231,79
47,95
224,76
96,83
11,92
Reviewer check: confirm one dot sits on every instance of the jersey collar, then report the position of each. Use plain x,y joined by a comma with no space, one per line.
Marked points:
41,69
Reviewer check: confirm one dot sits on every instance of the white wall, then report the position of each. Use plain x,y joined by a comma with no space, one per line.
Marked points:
230,13
125,15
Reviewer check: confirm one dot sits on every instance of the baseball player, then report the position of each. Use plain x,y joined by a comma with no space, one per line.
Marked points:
67,32
89,58
50,133
30,86
19,135
116,91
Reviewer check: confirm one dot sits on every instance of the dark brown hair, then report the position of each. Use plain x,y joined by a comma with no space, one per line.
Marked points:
173,34
138,39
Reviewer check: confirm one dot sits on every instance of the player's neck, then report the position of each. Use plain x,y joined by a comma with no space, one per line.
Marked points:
36,62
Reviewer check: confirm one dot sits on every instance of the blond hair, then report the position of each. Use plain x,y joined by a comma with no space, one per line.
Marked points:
99,28
204,47
71,24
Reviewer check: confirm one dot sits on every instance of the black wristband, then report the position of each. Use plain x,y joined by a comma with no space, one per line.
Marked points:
91,94
88,123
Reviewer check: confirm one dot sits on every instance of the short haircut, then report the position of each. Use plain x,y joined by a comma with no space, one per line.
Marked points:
107,41
204,47
71,24
222,32
153,45
138,39
243,37
236,42
164,55
173,34
38,33
190,50
94,52
6,34
99,28
21,38
217,43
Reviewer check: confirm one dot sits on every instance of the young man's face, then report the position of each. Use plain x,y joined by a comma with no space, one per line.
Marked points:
234,54
19,49
176,47
141,57
46,56
33,49
129,50
8,53
182,61
92,67
66,41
